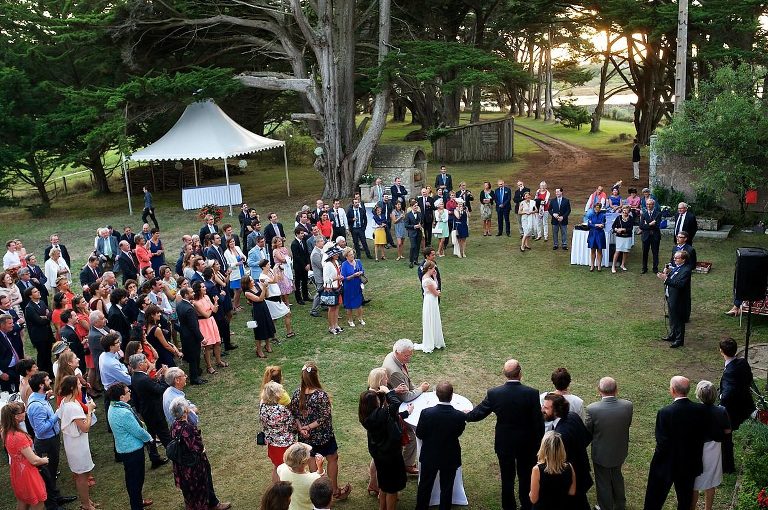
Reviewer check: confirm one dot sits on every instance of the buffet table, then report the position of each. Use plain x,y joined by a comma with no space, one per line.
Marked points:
423,401
197,197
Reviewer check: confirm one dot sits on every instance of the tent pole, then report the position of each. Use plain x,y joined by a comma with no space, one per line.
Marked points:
229,191
127,187
287,181
194,169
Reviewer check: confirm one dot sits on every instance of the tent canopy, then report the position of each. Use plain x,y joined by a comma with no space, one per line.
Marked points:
204,131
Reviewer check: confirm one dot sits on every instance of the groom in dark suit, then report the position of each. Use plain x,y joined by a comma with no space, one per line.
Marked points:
680,429
413,227
519,429
439,429
651,234
677,285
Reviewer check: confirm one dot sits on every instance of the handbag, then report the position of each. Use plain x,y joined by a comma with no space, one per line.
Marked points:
363,279
329,297
179,454
261,439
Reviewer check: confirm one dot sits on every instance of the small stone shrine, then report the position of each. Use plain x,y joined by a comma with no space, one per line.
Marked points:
405,161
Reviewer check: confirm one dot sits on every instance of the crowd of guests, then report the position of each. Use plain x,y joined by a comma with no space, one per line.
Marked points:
124,342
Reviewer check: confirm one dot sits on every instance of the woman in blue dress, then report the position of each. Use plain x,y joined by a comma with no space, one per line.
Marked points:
461,224
596,238
157,258
351,271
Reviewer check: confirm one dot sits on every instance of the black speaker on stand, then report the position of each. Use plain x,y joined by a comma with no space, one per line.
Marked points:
750,281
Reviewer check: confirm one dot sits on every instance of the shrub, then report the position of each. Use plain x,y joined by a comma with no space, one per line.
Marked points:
621,138
753,437
570,115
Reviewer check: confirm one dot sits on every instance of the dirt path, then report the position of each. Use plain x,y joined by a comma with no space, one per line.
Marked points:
578,170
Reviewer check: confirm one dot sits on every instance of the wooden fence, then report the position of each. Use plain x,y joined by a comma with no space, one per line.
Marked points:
485,141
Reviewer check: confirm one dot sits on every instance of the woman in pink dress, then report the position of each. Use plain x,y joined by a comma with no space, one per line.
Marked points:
205,309
283,265
26,482
142,253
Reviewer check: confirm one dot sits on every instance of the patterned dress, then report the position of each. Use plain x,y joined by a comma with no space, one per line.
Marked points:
317,407
192,480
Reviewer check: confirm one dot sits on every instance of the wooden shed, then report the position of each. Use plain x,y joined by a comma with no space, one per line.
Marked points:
492,140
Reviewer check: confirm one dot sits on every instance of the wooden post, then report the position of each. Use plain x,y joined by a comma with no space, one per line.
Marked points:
64,180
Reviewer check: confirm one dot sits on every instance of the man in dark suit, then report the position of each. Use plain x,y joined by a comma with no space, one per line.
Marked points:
272,230
466,195
38,317
25,282
55,244
399,192
608,420
147,395
90,277
677,289
680,429
301,266
129,237
127,262
682,245
386,209
229,233
503,196
427,205
413,222
9,357
357,219
443,184
210,227
735,395
215,252
117,318
36,276
244,219
69,335
191,337
338,217
18,325
439,429
576,438
559,210
685,221
520,192
650,234
519,429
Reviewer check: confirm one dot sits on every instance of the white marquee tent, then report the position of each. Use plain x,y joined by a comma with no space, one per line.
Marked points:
204,131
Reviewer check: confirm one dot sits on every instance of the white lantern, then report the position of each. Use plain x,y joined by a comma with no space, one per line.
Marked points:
242,163
178,165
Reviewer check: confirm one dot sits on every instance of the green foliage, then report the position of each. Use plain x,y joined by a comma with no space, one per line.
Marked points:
724,131
753,436
570,115
571,72
435,134
668,196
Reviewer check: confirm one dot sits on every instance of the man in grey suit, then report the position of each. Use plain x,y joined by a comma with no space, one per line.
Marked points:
608,420
396,365
316,261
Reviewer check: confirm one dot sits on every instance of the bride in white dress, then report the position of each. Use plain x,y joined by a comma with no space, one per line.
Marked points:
432,335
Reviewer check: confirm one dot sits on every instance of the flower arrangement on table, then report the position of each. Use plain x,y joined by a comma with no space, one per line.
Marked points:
666,211
214,210
367,179
761,403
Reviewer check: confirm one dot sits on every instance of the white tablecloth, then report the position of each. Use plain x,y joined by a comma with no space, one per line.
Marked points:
197,197
369,213
429,399
579,249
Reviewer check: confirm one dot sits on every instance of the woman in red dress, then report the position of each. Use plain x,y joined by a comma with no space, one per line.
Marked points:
26,482
142,253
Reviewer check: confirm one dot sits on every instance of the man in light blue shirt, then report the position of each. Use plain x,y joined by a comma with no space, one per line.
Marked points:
177,380
111,369
46,425
256,255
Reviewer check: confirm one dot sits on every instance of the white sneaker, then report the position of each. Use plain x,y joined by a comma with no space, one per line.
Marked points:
351,324
362,322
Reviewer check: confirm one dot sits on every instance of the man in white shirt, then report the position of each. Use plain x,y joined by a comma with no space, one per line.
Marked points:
339,220
11,259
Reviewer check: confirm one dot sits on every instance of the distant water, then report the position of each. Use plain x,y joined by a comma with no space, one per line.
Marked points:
617,100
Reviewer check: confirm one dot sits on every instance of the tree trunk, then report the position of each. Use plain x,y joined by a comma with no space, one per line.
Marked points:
37,180
100,180
398,110
476,104
548,106
600,107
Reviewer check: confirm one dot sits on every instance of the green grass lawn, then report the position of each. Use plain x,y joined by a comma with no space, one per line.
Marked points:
498,303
